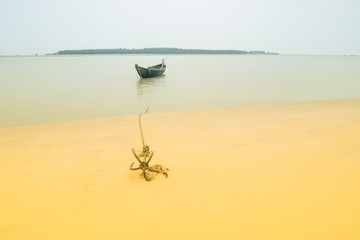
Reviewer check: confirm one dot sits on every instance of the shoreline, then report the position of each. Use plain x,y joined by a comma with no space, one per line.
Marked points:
267,171
188,110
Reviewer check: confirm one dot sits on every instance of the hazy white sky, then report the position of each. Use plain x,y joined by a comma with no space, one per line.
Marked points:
284,26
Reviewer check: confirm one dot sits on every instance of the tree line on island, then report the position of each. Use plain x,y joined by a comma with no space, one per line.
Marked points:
156,51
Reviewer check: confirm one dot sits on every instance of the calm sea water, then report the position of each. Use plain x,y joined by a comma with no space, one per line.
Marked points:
60,88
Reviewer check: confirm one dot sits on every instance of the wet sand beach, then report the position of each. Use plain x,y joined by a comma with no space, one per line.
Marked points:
272,171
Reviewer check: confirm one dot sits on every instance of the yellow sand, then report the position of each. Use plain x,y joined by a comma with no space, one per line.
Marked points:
282,171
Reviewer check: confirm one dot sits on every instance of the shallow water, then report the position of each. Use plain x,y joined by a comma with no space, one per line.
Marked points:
60,88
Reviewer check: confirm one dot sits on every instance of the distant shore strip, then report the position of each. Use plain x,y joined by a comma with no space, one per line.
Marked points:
157,51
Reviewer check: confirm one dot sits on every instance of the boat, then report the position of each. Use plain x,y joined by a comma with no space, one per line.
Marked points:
152,71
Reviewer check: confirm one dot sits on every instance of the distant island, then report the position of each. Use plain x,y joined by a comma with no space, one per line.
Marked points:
156,51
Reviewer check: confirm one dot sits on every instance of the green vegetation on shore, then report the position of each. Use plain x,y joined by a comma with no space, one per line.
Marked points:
156,51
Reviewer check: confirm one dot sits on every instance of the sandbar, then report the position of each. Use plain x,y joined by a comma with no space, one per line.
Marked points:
272,171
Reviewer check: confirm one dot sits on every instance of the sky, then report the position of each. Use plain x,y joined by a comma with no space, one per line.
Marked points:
30,27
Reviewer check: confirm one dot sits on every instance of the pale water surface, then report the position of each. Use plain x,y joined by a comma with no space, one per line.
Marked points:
60,88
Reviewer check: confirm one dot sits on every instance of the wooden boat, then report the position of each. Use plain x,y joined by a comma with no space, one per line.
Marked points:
153,71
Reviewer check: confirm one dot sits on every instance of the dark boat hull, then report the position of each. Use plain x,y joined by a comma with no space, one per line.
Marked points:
149,72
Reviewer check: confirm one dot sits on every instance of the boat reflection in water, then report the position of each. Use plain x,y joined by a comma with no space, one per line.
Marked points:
147,87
